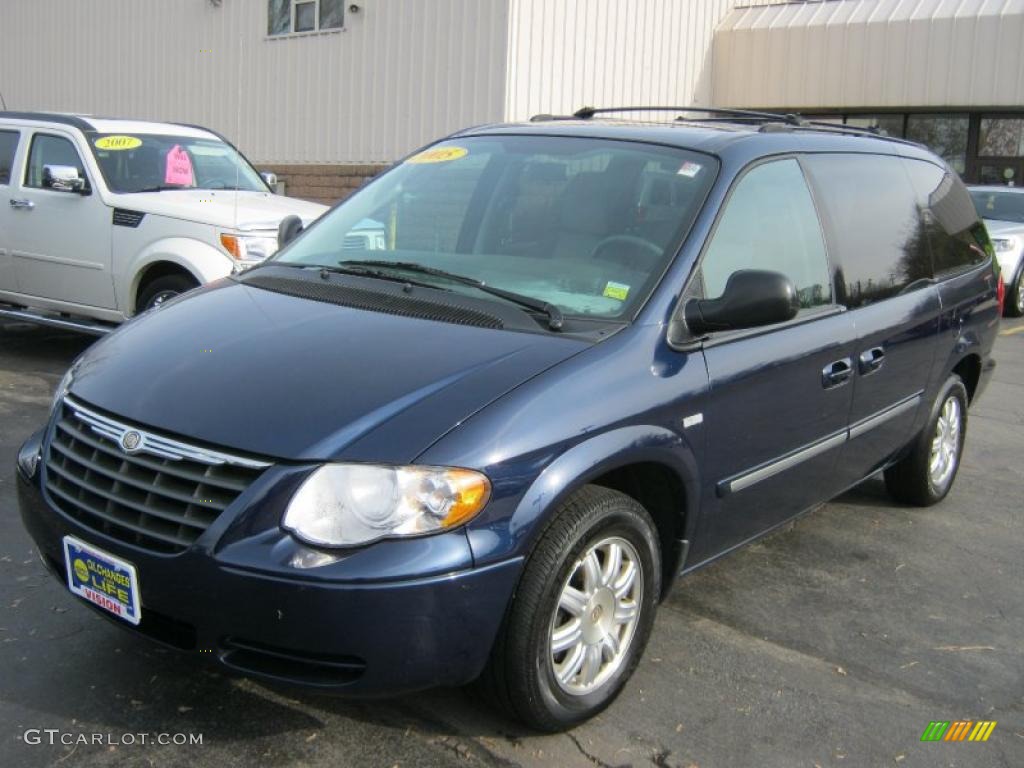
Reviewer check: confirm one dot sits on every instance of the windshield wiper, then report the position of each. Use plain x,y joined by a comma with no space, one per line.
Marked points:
554,315
362,271
159,188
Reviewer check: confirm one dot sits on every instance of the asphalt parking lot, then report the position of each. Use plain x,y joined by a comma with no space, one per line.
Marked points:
833,642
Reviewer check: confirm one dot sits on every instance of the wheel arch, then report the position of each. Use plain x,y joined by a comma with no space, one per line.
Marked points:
197,259
651,464
968,368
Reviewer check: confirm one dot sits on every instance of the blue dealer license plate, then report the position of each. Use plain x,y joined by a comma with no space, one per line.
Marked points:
102,579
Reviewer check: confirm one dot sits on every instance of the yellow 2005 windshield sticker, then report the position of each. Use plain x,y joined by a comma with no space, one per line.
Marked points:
118,142
439,155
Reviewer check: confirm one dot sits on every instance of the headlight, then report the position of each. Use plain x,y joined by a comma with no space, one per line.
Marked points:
342,505
249,249
1004,244
62,388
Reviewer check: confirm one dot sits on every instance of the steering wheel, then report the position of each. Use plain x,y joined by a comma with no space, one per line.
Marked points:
635,244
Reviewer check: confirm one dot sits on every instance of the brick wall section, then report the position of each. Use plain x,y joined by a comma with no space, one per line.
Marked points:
325,184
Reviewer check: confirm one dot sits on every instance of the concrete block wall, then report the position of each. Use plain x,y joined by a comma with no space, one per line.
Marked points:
325,184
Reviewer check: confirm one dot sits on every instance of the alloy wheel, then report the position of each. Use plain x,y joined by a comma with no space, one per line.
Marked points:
945,443
596,617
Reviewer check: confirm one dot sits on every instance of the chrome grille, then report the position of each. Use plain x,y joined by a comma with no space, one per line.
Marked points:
161,494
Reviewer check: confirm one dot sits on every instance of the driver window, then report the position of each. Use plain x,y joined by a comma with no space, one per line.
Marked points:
770,223
50,150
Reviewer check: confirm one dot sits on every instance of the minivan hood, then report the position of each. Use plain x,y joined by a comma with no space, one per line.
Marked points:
222,208
291,378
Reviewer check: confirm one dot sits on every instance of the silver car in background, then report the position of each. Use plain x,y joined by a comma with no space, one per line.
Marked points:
1002,208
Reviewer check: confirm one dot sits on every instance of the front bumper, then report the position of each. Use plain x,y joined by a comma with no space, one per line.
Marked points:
349,638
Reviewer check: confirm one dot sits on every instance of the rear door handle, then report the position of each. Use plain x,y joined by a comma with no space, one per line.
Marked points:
871,360
837,373
26,204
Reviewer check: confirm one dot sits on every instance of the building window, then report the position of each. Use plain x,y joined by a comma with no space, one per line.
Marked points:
1001,137
291,16
945,135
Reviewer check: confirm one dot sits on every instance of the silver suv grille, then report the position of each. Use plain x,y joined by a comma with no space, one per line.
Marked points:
137,486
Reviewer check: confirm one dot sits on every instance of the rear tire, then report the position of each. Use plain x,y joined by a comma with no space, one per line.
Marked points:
163,289
581,615
926,474
1015,296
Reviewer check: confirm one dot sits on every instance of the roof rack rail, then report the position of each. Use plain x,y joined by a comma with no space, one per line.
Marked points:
585,113
767,120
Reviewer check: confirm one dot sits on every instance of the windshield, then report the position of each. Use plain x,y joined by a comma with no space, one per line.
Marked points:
148,162
998,205
586,225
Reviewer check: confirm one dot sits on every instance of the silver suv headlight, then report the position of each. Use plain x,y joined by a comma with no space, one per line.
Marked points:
248,249
342,505
1004,244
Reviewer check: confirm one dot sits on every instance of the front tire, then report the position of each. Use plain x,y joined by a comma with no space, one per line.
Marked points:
581,615
926,474
163,289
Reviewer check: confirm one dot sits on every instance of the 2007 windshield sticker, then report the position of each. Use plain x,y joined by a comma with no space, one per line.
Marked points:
118,142
438,155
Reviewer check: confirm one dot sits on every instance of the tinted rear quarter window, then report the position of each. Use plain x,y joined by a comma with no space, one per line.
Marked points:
8,145
955,233
877,237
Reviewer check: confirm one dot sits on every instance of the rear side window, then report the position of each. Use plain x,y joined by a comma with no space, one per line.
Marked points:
770,223
50,150
8,145
955,233
876,233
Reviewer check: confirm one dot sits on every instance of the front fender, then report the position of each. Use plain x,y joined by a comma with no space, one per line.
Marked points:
511,532
203,261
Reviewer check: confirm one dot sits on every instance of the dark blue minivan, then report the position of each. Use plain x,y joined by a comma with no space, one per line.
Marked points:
475,421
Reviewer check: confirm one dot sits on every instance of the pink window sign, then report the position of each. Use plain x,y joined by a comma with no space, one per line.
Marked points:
179,167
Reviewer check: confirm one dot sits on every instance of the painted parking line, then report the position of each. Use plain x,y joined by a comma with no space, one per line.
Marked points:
1011,331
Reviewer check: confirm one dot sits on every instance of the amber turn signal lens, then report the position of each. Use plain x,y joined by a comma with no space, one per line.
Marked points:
230,243
471,491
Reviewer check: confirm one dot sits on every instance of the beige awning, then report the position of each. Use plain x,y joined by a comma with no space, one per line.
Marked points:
871,53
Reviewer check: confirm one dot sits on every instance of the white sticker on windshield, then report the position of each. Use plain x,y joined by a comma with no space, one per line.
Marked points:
689,169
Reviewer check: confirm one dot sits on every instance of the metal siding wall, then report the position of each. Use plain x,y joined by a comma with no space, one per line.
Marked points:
872,53
564,54
402,73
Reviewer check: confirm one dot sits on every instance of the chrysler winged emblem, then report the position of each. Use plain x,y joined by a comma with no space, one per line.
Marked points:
130,441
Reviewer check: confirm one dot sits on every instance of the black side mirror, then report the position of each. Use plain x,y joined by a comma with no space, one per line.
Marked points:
751,298
288,230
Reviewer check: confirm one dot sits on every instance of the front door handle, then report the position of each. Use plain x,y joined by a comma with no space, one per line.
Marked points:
837,373
26,204
871,360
